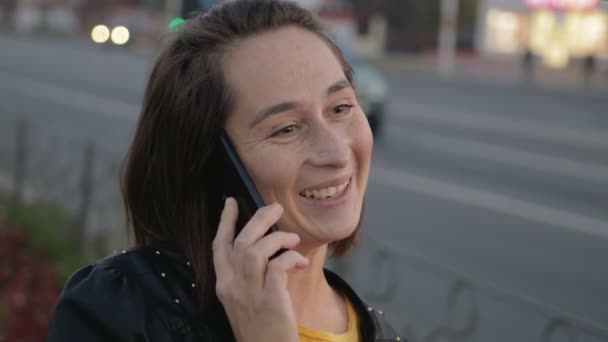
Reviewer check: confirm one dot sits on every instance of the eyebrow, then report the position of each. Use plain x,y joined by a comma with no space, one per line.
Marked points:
289,105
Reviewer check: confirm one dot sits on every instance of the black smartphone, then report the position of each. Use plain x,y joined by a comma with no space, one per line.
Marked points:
236,183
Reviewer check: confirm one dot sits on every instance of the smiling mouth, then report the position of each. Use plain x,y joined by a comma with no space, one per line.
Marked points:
326,193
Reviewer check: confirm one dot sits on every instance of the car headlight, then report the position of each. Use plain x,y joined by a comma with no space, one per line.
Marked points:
120,35
100,34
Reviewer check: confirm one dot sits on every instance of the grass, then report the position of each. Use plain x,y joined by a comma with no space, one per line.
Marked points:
50,231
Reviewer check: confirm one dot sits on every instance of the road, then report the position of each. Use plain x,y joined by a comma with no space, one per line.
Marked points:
499,193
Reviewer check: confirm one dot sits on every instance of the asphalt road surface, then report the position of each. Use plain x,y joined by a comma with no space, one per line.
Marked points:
487,212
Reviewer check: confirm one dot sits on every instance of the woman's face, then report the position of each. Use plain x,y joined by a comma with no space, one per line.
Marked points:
300,132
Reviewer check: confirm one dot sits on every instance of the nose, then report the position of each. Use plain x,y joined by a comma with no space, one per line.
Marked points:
330,148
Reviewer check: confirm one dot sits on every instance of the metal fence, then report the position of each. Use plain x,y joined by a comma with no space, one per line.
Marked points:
39,165
428,301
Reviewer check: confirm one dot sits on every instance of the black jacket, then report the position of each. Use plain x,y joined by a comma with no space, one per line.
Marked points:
146,294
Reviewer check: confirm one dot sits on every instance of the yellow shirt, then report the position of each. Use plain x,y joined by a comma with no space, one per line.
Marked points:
351,334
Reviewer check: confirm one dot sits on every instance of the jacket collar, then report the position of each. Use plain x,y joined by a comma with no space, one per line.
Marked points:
168,256
367,327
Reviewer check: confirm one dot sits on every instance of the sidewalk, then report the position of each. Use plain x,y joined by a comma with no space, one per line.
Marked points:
501,72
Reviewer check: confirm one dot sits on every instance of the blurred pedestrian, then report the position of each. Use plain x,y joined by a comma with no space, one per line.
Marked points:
267,74
528,66
588,70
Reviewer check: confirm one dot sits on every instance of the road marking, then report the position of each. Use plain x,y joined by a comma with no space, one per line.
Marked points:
489,200
83,101
507,155
516,127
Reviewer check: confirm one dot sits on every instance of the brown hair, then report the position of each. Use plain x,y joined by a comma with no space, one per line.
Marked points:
168,180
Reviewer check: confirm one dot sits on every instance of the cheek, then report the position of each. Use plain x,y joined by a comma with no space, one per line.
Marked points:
270,173
362,138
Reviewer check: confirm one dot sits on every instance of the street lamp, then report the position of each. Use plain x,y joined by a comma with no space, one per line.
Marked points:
447,37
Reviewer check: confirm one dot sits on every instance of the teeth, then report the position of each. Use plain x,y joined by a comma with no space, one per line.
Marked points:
326,193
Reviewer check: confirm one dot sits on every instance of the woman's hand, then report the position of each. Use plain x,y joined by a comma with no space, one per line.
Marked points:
251,287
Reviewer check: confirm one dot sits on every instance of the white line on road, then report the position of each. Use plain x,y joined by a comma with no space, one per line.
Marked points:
489,200
83,101
509,155
517,127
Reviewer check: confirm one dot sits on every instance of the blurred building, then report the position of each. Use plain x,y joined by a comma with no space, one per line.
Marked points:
41,15
557,31
93,12
7,12
413,26
343,21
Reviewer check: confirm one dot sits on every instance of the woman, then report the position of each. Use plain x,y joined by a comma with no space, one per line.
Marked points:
267,74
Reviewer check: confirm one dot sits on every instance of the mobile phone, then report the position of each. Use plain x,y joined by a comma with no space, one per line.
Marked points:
236,183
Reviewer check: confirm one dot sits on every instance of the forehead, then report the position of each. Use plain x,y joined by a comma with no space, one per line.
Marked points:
285,64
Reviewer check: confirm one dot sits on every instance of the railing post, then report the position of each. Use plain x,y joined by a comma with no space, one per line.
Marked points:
86,189
20,160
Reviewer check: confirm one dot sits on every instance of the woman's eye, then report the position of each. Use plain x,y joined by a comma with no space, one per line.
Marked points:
285,131
343,108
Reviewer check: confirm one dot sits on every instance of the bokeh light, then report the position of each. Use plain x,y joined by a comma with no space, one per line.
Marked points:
503,31
100,34
556,54
120,35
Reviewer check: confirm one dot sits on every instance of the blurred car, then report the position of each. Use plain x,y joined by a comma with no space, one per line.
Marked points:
121,29
371,92
371,89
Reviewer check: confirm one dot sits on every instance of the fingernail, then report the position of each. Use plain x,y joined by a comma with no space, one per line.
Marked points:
226,198
277,206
